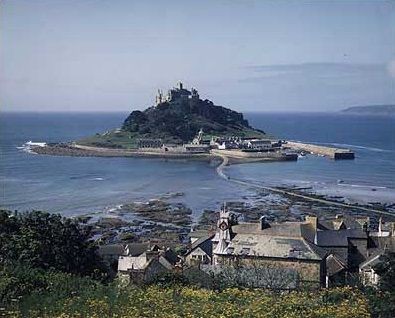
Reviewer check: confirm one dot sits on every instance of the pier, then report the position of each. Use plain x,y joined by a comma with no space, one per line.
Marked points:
246,156
331,152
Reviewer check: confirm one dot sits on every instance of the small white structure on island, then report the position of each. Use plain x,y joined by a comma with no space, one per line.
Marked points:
198,140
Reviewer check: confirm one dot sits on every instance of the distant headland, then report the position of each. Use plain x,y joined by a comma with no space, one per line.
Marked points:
378,110
182,125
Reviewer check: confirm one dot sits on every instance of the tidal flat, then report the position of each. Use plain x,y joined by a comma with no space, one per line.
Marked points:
167,221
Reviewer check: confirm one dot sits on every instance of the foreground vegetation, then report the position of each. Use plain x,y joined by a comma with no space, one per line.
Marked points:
36,293
50,268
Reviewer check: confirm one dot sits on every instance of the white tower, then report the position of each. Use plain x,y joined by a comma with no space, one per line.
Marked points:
223,231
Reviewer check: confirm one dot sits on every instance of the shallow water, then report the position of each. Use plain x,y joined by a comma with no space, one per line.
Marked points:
73,185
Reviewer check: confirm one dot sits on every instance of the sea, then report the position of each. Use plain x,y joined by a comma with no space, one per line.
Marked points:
82,185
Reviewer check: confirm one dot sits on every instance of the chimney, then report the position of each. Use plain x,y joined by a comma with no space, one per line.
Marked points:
151,255
380,226
392,229
263,223
313,220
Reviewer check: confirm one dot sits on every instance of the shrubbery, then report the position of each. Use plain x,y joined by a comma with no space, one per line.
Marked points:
49,268
48,241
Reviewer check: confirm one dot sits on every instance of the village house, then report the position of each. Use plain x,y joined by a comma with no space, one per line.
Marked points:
368,270
287,246
149,143
315,252
201,249
259,144
144,264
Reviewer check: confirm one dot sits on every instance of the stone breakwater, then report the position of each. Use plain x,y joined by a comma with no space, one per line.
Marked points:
331,152
236,155
88,151
233,156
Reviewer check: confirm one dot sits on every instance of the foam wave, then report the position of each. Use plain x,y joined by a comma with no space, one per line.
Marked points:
361,186
341,145
363,147
27,146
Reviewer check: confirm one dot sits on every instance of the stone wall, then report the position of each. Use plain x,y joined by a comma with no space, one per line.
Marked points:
308,270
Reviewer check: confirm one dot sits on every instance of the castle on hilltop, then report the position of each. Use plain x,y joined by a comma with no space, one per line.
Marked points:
176,93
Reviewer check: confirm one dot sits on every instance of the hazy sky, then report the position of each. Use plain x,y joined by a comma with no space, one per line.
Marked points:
110,55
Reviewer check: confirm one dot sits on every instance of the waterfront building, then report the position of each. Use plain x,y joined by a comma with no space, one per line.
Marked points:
259,144
149,143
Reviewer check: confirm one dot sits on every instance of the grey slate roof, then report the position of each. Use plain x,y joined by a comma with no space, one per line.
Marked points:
381,244
274,246
204,243
372,261
343,222
111,249
332,238
334,265
338,238
170,256
136,249
280,240
288,229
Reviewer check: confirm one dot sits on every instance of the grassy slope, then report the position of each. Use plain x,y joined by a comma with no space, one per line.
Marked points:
128,140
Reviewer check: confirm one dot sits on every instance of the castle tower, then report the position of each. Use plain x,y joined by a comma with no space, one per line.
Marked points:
159,97
194,94
180,86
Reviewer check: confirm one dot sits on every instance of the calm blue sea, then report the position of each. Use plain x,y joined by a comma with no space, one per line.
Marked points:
73,185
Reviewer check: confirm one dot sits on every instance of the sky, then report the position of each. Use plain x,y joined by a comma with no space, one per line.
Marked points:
113,55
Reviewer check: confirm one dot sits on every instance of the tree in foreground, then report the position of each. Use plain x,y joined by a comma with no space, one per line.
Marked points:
48,241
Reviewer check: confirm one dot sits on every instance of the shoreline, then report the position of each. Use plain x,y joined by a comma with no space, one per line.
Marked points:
76,150
226,157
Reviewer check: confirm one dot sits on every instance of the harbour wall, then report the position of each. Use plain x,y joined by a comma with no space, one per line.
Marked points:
331,152
264,155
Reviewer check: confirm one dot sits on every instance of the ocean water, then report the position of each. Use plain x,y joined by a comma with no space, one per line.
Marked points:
368,178
77,185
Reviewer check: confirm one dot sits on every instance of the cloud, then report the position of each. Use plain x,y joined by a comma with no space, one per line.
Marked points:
319,86
313,70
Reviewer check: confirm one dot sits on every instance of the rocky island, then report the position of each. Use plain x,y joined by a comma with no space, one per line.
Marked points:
175,119
179,125
182,125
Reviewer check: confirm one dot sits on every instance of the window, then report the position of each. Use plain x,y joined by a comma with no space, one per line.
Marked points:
245,251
